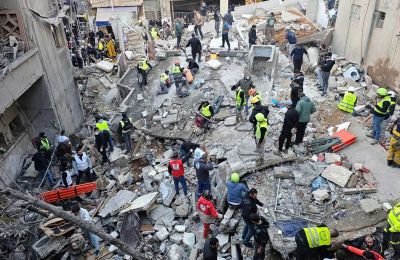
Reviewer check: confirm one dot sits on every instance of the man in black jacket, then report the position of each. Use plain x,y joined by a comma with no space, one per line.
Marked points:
326,68
41,164
195,44
261,238
290,122
210,250
101,140
249,209
186,150
258,108
252,36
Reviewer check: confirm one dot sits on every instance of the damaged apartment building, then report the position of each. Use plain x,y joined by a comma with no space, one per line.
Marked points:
37,89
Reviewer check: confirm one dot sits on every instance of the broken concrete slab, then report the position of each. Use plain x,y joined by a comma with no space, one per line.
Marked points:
222,115
170,119
370,205
176,238
159,213
288,17
116,154
321,194
176,252
214,64
31,172
167,190
162,234
244,126
189,239
118,201
142,203
182,210
283,172
230,121
223,239
337,174
180,228
332,158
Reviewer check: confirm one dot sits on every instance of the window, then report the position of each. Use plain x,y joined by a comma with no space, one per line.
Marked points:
355,13
380,19
16,127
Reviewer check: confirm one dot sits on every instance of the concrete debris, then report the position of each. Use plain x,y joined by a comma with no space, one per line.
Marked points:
321,194
214,64
159,213
189,239
142,203
337,174
167,190
180,228
105,66
223,239
230,121
162,234
370,205
182,210
176,252
119,201
176,238
332,158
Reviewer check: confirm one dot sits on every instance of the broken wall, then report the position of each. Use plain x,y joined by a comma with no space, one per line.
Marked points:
367,33
271,5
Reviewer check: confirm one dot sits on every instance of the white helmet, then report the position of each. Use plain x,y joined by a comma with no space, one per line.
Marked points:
351,89
391,94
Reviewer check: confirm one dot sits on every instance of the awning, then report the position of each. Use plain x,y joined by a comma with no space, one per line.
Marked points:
104,14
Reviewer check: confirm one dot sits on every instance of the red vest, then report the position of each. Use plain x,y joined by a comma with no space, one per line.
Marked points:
177,168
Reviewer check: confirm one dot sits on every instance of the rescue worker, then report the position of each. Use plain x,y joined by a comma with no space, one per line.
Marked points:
195,45
313,242
385,123
391,234
82,164
393,157
379,113
257,108
289,123
203,167
236,190
260,136
305,107
102,126
44,144
246,83
176,169
186,150
66,175
125,129
369,242
261,238
177,76
165,83
207,212
269,31
207,112
240,102
101,140
111,49
348,101
41,164
253,93
249,215
154,33
143,68
100,48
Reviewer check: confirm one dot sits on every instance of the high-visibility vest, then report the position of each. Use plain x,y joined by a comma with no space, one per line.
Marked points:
100,46
154,33
258,128
126,125
380,105
44,144
176,70
143,64
102,126
318,236
177,168
394,218
239,100
205,111
163,78
347,103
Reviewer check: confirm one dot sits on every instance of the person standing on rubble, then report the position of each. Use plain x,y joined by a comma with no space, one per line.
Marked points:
323,50
260,136
178,32
379,113
217,19
257,108
348,101
270,29
210,249
249,215
253,93
393,156
125,129
177,76
240,102
289,124
385,123
203,167
82,164
291,38
225,35
101,140
391,234
186,149
45,146
102,126
198,23
326,68
165,83
246,83
297,56
305,107
176,169
84,215
207,212
313,242
66,174
143,69
236,190
41,164
261,238
207,112
252,35
228,17
195,45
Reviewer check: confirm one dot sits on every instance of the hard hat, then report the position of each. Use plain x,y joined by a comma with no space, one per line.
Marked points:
254,100
235,178
351,89
260,117
177,62
252,91
391,93
382,91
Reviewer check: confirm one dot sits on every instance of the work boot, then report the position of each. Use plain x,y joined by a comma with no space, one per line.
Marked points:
373,142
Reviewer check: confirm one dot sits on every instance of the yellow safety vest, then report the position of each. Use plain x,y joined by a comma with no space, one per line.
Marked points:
102,126
143,64
44,144
258,128
347,103
163,78
154,33
318,236
205,111
239,100
101,46
176,70
394,218
380,104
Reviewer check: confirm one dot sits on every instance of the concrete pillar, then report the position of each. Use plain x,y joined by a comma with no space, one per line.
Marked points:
165,6
312,9
223,7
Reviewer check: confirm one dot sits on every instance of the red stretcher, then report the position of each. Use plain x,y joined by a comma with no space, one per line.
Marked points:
67,193
347,139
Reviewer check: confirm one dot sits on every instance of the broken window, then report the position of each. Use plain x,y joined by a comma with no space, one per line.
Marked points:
380,19
355,13
16,127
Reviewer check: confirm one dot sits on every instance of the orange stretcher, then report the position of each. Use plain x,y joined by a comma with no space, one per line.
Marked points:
347,139
67,193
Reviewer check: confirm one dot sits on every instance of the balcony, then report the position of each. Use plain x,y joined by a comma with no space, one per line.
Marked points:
19,76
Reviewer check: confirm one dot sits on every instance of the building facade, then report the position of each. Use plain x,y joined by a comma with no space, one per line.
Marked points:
37,88
367,32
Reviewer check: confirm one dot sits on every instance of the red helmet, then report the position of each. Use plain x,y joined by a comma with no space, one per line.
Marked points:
252,91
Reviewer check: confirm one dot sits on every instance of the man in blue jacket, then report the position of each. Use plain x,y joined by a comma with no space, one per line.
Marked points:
236,190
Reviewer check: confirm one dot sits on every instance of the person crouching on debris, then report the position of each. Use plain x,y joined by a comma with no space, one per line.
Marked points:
348,101
84,215
206,113
125,129
236,190
176,169
393,157
207,212
313,242
82,164
240,102
260,136
193,66
165,83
